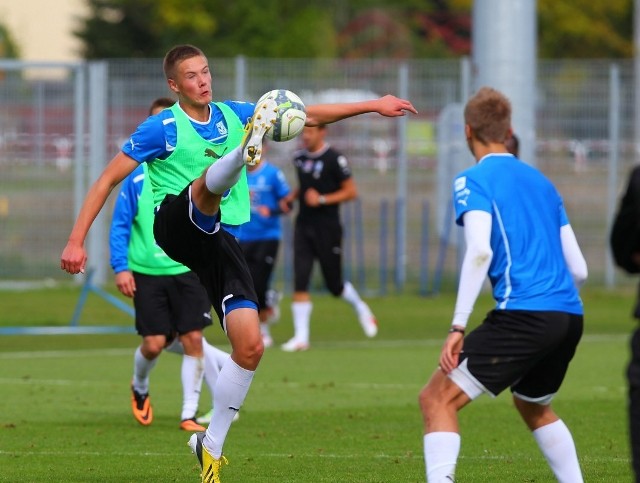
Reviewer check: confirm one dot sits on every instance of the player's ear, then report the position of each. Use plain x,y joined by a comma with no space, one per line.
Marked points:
173,86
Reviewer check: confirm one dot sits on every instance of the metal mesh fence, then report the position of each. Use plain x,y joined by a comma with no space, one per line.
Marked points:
46,163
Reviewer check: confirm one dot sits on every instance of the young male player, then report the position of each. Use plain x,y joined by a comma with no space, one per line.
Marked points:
169,299
324,182
197,152
516,231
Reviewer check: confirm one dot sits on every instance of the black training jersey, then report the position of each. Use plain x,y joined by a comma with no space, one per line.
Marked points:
324,171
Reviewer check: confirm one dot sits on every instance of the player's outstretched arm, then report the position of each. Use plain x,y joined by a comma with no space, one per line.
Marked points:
388,106
74,257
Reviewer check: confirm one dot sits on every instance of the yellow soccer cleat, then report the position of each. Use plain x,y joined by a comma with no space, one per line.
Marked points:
210,465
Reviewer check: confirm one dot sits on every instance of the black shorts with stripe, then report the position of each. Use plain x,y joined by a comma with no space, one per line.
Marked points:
528,351
322,241
216,258
170,304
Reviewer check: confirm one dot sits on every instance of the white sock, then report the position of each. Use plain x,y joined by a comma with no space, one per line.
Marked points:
301,320
225,172
556,443
192,372
350,294
440,456
141,369
214,359
230,391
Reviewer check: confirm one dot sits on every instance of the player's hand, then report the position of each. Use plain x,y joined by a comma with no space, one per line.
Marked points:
73,259
451,352
312,197
264,211
392,106
126,283
285,205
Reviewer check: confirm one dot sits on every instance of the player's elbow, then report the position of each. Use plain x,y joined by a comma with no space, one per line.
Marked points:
480,254
580,273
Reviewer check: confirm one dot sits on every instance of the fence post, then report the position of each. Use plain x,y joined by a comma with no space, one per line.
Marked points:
98,102
612,178
401,212
384,233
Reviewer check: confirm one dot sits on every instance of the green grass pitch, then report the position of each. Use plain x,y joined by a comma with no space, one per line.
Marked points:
345,411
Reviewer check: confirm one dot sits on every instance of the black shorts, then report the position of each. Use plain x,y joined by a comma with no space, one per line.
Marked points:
528,351
169,304
261,258
322,242
216,258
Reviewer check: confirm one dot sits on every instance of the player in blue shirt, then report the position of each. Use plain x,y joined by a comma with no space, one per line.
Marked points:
260,237
516,232
156,137
197,157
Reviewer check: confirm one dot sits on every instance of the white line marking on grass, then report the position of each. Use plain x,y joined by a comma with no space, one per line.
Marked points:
64,354
5,381
365,344
345,456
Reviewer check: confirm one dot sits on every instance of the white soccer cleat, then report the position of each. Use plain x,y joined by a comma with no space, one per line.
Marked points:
264,117
367,320
294,345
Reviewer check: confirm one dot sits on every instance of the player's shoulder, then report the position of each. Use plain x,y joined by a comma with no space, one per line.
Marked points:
242,109
300,153
163,117
154,125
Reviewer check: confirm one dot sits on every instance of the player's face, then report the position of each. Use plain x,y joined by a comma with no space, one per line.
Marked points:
312,137
193,81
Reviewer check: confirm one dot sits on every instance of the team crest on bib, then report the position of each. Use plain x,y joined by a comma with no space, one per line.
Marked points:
222,129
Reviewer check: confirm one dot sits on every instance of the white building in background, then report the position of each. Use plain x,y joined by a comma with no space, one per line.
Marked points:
43,29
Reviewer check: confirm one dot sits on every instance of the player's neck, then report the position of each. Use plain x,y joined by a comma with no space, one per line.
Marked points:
317,149
196,112
481,150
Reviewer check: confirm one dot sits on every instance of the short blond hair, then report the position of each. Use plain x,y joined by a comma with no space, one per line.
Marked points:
176,55
488,114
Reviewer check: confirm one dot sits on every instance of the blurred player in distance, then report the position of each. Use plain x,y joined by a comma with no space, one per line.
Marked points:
260,237
517,232
197,151
169,299
324,182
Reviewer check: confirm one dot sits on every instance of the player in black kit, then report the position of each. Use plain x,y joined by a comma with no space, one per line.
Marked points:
324,181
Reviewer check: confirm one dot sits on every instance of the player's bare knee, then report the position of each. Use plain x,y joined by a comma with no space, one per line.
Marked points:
152,346
248,354
430,400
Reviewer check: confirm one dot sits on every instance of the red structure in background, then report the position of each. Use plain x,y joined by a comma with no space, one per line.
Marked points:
376,33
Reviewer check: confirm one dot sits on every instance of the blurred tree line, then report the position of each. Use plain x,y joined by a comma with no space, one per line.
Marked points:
341,28
336,28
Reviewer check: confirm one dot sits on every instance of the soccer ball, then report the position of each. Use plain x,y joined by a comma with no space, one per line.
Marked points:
291,115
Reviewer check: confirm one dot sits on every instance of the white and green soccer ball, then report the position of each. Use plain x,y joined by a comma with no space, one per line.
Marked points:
291,115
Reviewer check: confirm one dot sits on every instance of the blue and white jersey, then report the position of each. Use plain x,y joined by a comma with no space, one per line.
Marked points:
528,270
267,186
156,137
124,212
